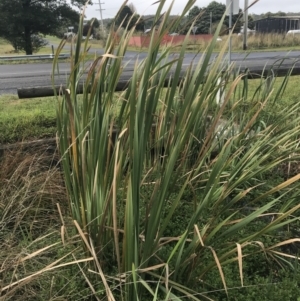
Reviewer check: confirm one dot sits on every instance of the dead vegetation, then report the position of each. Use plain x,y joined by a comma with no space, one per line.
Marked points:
33,208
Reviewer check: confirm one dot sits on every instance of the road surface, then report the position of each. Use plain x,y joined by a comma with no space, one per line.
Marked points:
13,77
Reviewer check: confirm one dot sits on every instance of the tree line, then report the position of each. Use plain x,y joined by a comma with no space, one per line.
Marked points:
23,23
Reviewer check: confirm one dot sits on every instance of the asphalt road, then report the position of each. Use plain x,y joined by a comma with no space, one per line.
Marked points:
13,77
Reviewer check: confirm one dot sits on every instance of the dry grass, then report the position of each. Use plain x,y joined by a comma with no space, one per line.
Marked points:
31,245
30,178
258,42
5,48
41,255
268,41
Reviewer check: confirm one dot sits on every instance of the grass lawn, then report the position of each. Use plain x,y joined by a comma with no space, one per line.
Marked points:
26,119
6,49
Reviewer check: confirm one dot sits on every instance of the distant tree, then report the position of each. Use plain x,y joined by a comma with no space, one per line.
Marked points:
174,26
148,21
22,22
281,13
128,17
132,7
124,17
138,22
194,14
269,14
224,28
90,25
216,10
96,23
86,29
251,24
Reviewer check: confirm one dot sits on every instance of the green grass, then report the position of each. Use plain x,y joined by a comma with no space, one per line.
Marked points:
29,119
26,119
6,49
53,39
30,61
290,95
274,108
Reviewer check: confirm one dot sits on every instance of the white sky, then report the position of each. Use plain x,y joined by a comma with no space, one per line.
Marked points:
144,7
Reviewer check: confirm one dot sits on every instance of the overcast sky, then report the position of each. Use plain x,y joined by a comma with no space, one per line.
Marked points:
144,7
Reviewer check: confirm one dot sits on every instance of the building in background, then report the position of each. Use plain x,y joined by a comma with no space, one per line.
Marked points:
277,24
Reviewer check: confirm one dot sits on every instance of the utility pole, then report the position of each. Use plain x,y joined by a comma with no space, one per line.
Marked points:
210,23
232,9
245,44
230,32
101,18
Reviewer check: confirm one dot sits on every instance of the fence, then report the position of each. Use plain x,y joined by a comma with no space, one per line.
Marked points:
144,40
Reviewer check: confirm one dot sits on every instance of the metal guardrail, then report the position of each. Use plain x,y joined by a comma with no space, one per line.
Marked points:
33,57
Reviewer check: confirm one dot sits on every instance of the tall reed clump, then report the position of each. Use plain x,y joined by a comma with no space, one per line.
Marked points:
164,190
